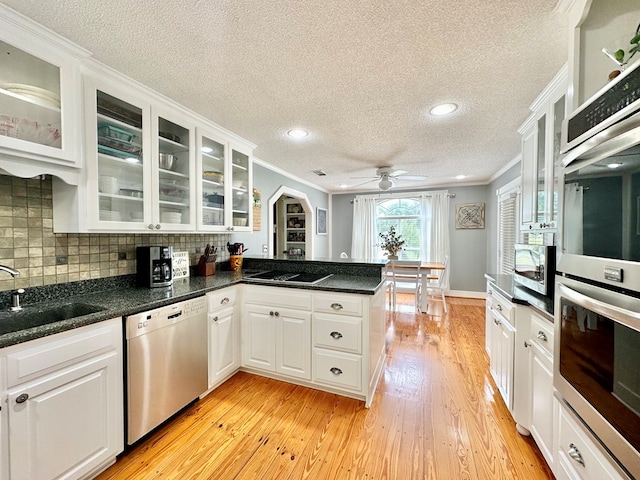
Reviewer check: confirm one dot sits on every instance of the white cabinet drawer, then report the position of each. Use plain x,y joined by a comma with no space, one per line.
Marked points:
221,298
337,333
277,297
337,303
497,302
338,369
542,333
578,454
44,355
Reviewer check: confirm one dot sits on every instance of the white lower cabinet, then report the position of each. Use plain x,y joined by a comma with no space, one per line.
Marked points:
276,337
224,335
543,417
65,403
578,456
501,361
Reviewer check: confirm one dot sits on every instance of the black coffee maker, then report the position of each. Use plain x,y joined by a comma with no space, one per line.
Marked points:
154,266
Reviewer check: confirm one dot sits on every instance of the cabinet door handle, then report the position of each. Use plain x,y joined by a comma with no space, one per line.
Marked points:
271,314
277,314
527,344
336,335
150,226
22,398
215,319
575,454
499,307
542,336
335,371
158,226
224,301
497,322
336,306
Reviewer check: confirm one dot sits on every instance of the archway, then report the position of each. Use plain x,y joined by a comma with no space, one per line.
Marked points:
310,223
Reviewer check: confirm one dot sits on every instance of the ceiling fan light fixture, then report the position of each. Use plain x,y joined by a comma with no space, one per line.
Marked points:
297,133
443,109
614,165
385,183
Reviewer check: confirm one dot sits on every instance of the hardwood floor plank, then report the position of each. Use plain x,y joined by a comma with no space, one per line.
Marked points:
437,415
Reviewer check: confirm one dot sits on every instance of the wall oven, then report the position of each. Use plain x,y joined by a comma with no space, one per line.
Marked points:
597,296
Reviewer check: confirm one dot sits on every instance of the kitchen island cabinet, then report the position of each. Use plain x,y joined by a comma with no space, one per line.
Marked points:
276,331
63,415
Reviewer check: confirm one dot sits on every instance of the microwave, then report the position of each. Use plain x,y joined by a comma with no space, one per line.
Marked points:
534,267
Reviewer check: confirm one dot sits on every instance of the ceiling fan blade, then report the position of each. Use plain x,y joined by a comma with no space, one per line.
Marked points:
412,177
364,183
397,173
371,177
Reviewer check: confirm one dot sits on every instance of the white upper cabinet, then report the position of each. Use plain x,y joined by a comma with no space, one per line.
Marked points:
39,107
224,199
541,136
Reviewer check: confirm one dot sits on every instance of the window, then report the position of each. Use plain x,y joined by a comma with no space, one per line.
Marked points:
404,214
507,226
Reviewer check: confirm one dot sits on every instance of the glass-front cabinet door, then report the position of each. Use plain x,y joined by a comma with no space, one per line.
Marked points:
540,199
173,174
34,87
118,177
556,168
212,167
241,191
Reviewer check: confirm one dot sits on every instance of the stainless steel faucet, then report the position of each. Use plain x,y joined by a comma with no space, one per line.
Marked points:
10,270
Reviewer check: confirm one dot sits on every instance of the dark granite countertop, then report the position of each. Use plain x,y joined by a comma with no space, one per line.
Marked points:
124,298
518,294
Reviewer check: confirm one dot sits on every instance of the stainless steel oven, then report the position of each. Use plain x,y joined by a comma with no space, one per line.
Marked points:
597,364
597,296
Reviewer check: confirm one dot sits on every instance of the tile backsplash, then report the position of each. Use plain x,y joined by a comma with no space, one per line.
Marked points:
29,245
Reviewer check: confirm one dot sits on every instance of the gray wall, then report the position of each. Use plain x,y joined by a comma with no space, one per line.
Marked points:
268,182
491,215
468,247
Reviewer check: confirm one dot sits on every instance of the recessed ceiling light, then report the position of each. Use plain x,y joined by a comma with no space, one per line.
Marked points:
207,149
460,177
343,185
614,165
297,133
444,109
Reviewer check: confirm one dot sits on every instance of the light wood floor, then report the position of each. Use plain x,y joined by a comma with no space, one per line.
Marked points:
437,414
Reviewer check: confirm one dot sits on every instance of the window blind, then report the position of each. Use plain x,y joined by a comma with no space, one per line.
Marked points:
507,231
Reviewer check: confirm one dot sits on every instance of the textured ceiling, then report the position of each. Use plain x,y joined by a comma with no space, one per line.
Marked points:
360,76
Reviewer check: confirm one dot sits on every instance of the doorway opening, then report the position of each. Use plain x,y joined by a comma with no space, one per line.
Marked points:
292,220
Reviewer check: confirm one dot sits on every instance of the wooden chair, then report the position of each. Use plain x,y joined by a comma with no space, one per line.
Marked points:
404,275
436,284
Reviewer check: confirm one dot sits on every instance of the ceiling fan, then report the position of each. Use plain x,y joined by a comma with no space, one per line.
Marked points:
386,175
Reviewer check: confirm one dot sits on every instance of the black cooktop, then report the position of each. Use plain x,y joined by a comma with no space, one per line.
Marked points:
273,276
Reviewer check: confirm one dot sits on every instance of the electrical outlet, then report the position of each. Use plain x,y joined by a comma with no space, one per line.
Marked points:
265,249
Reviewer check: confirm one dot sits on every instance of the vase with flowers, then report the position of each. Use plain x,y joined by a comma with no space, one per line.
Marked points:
391,243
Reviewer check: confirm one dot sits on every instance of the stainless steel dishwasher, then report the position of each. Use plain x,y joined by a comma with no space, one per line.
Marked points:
167,363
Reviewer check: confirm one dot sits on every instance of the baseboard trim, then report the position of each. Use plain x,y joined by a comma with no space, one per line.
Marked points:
466,294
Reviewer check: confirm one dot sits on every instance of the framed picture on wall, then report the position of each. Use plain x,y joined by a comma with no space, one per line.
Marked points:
321,221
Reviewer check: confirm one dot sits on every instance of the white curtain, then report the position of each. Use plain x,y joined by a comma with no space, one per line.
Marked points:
573,200
434,242
363,236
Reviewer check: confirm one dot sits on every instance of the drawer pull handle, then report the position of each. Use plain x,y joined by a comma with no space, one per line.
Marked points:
336,335
575,454
336,371
224,301
542,336
271,314
22,398
336,306
499,307
215,319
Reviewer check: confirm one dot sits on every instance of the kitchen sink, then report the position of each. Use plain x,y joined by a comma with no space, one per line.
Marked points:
32,316
296,278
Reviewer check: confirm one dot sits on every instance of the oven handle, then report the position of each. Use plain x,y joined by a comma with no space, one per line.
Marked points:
626,317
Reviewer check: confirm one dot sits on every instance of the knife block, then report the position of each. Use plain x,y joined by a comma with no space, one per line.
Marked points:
205,268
